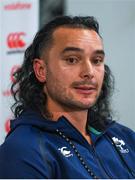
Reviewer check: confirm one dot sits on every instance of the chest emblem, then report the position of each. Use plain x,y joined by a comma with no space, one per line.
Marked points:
65,152
120,144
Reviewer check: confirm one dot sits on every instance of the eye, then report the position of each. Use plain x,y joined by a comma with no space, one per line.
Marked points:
72,60
98,60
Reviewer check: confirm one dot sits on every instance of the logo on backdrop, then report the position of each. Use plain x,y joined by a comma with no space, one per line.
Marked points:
16,42
7,125
17,6
7,92
13,70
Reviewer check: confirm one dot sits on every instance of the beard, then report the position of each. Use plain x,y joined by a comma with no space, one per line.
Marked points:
66,98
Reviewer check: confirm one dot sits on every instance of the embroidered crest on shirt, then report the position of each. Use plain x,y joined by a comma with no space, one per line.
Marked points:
65,152
120,144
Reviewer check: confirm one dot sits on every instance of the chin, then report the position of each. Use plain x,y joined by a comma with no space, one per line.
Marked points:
85,105
90,102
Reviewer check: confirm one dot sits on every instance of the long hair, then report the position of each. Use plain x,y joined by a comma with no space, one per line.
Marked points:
28,91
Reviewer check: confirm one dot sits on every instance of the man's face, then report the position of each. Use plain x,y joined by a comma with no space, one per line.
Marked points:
75,69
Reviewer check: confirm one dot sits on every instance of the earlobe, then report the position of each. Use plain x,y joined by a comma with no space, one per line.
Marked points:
39,69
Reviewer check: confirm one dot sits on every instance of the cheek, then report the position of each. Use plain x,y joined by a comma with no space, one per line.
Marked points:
58,79
100,77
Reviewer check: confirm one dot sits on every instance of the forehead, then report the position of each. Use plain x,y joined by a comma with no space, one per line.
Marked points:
66,36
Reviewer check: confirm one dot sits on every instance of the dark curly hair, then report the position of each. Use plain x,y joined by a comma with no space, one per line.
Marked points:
28,91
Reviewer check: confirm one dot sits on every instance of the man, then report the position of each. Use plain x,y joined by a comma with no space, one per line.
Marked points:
63,126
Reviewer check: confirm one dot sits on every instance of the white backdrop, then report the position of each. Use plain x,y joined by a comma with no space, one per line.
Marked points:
19,21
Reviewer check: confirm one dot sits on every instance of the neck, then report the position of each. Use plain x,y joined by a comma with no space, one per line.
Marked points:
77,118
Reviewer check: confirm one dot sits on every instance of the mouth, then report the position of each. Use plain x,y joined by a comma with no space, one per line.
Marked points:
85,89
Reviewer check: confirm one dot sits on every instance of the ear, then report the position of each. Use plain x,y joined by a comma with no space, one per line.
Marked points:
40,69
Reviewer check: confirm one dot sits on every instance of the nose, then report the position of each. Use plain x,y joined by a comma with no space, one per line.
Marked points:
87,70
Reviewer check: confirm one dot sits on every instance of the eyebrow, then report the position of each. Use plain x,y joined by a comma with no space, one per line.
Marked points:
67,49
99,52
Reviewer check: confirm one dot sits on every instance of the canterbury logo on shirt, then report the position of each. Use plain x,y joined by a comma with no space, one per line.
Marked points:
65,152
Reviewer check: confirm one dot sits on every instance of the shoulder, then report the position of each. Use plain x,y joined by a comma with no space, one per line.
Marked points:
122,128
20,154
21,137
20,145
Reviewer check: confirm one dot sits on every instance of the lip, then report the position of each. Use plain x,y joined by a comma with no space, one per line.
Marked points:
85,89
